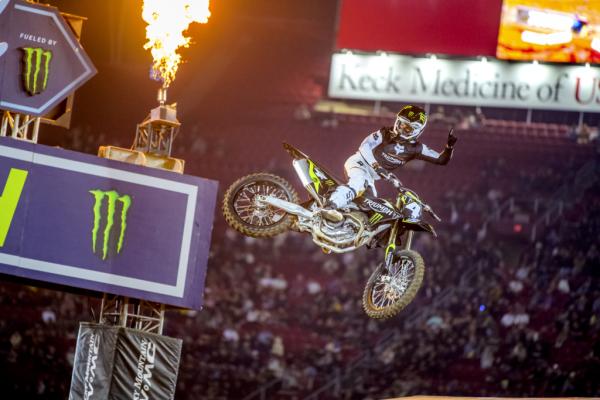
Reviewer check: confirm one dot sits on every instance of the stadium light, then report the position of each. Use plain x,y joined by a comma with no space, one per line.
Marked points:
432,57
484,59
535,62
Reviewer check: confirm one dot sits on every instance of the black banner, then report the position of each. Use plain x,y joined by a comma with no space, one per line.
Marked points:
121,363
146,366
94,362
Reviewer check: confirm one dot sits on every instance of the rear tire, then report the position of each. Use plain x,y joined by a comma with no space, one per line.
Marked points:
244,215
386,296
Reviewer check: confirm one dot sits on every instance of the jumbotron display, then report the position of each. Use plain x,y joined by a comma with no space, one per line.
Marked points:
550,30
545,30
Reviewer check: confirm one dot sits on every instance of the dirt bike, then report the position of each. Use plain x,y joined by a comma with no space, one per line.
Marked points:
265,205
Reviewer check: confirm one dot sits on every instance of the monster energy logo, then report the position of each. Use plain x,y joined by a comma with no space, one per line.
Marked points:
375,218
113,197
313,175
36,69
422,116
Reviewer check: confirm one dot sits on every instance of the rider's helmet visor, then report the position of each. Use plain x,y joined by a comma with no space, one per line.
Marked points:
404,126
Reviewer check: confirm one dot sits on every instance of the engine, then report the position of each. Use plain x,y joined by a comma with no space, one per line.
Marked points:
343,234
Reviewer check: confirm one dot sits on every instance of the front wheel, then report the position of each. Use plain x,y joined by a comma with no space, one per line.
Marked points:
252,218
388,291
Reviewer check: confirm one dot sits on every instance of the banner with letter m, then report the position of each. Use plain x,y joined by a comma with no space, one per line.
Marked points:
103,225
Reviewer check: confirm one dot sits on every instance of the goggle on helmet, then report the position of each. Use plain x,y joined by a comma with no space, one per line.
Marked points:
410,122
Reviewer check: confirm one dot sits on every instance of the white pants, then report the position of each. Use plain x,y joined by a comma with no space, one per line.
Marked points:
360,177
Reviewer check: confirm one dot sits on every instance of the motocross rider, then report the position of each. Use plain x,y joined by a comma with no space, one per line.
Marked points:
382,152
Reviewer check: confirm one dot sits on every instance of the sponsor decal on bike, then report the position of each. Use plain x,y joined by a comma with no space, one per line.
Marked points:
9,199
313,175
36,69
375,218
388,250
316,175
112,198
379,207
143,378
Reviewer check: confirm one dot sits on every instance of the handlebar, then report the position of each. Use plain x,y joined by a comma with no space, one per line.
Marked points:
398,185
390,177
433,214
393,179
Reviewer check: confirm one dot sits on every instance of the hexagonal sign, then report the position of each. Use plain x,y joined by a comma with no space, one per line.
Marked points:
41,61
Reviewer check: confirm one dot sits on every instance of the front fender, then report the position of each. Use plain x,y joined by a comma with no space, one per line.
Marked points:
420,227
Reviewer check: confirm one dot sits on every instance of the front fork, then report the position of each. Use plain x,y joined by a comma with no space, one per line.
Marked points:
391,246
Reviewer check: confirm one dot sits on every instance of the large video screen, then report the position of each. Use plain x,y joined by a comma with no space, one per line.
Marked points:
550,30
453,27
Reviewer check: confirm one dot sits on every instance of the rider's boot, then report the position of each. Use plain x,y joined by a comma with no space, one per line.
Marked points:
341,197
330,213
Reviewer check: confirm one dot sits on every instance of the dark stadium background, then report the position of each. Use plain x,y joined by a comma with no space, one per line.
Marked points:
502,312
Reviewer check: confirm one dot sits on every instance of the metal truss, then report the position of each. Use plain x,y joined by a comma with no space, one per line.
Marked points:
156,133
18,126
137,314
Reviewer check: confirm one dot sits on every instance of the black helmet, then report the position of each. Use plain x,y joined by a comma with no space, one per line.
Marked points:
410,122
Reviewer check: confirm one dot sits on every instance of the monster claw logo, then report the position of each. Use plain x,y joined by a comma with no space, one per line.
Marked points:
36,68
375,218
112,198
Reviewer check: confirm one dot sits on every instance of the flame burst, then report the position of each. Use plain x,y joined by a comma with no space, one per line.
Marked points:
167,20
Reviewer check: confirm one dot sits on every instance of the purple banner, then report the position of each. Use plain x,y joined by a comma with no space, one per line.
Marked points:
41,61
104,225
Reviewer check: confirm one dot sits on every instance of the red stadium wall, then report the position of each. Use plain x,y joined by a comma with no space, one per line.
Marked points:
454,27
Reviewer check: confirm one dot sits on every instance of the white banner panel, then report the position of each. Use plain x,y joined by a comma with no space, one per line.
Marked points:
493,83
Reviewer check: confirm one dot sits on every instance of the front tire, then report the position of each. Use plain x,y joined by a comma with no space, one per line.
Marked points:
389,292
244,214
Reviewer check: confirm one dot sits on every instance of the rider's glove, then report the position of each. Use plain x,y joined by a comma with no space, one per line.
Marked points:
390,177
382,172
385,174
379,170
451,139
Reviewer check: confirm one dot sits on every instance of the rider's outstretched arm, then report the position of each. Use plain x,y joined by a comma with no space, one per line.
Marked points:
433,156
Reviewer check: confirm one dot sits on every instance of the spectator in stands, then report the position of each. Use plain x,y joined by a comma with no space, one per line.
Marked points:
438,116
583,134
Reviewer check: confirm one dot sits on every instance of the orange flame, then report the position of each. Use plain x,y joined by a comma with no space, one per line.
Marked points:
167,20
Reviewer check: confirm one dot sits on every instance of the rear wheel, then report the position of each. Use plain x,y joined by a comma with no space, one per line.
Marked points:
245,214
388,291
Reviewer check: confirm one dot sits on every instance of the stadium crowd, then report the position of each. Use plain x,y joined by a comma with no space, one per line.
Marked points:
502,317
498,314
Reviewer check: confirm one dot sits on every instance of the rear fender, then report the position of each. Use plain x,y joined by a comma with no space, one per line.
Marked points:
313,178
